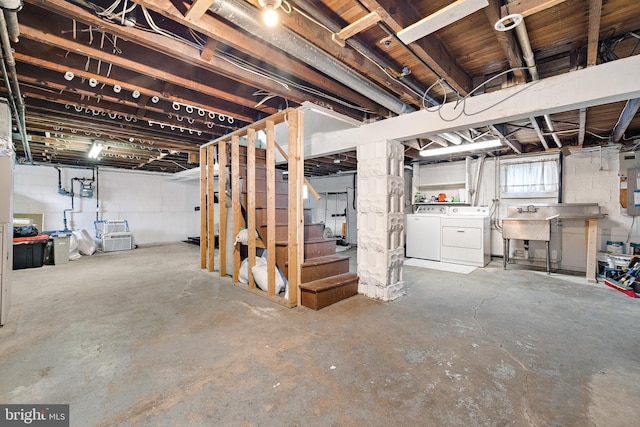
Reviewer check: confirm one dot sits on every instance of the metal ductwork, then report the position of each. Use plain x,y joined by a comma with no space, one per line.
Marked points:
527,54
10,10
247,18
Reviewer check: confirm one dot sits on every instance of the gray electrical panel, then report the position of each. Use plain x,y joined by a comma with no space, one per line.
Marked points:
633,191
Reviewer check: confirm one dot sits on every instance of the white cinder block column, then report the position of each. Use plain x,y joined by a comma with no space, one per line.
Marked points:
381,219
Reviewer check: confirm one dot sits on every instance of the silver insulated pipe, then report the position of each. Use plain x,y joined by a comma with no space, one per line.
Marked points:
247,18
527,54
10,10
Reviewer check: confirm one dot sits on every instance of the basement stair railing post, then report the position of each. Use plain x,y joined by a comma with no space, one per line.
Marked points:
229,153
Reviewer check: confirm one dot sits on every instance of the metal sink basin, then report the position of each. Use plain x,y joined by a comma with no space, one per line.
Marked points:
526,229
533,222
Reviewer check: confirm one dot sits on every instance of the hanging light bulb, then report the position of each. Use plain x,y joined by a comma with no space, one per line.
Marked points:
269,11
69,76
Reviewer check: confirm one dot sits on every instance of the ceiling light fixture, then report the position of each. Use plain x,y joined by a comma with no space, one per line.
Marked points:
269,11
440,19
452,149
95,151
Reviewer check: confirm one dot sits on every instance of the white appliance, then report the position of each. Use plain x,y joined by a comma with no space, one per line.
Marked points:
423,232
466,236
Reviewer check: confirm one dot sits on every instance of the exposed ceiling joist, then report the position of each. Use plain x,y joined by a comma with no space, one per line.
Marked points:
528,7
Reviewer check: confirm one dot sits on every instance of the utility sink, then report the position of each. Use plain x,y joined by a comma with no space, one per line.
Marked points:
533,222
526,229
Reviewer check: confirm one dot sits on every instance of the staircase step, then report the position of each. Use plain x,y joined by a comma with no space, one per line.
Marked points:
329,290
325,266
261,172
311,231
314,248
282,216
282,187
261,200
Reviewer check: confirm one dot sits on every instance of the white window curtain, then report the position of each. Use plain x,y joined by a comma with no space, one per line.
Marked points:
530,177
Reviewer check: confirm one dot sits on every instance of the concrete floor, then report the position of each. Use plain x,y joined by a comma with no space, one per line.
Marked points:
146,338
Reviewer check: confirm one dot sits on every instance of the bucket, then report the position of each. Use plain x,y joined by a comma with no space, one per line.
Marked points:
635,248
615,247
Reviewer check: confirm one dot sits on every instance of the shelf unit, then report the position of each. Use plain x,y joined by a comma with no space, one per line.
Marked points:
433,189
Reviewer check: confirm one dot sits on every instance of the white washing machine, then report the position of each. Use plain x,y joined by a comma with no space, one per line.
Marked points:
466,236
423,230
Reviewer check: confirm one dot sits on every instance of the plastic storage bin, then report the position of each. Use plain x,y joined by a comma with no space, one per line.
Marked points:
28,252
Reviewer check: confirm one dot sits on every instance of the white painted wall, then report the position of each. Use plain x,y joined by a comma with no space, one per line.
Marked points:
328,204
157,208
590,176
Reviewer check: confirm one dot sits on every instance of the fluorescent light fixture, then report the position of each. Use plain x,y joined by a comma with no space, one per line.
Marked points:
440,19
480,145
95,151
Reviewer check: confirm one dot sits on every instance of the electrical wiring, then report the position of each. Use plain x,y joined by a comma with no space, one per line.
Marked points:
357,49
462,100
153,26
283,81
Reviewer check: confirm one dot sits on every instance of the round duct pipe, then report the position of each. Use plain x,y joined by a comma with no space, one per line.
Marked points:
246,17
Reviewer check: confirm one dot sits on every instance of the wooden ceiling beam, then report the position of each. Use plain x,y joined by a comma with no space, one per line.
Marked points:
214,28
536,127
429,48
528,7
628,113
135,66
127,84
500,131
507,42
360,25
165,46
582,126
197,9
595,13
209,49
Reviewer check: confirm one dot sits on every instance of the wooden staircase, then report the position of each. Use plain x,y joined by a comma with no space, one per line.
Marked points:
325,276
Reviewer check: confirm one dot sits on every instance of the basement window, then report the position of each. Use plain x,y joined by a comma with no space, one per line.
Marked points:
529,179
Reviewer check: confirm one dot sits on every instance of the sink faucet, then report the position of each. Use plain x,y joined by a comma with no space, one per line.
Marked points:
529,208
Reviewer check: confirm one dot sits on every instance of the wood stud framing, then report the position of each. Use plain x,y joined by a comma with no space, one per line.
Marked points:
295,216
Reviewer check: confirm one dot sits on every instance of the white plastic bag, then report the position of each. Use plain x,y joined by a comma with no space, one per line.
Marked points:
260,276
243,274
243,237
86,245
73,248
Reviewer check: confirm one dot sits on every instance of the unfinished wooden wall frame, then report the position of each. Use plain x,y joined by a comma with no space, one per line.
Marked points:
295,221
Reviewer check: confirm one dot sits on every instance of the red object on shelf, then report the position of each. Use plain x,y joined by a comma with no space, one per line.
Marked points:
31,239
627,291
